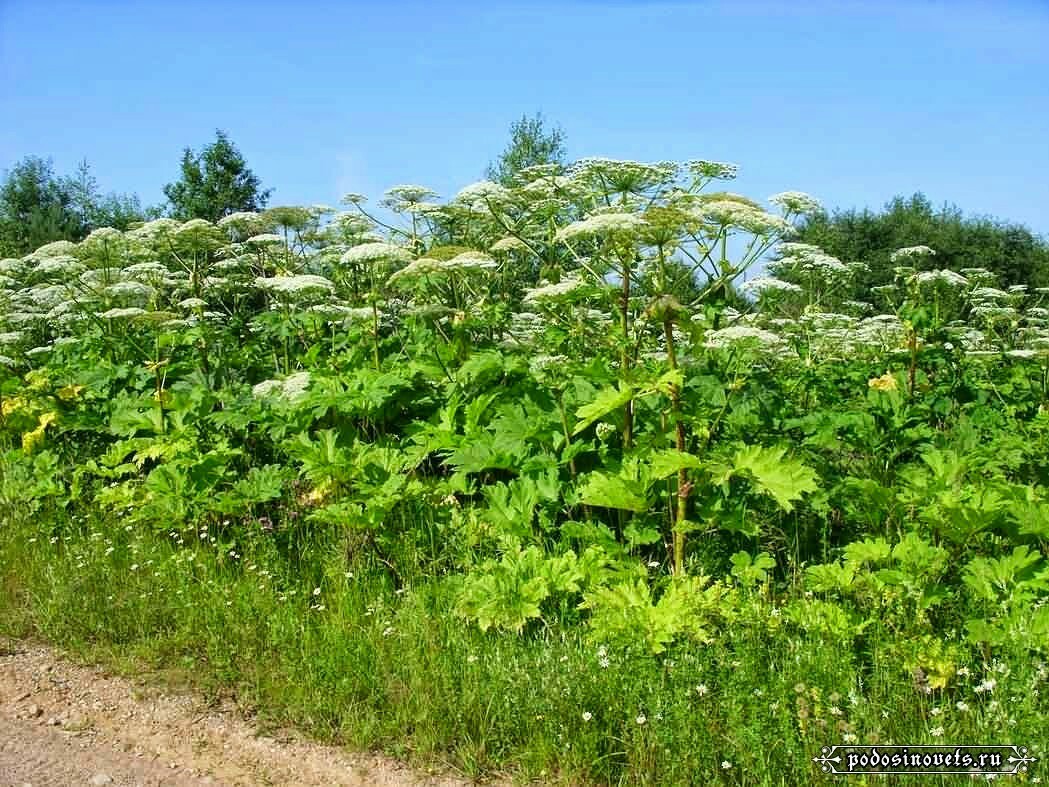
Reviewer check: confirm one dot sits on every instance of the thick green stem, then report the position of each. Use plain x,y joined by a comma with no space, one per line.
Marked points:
912,345
564,427
375,333
624,317
684,488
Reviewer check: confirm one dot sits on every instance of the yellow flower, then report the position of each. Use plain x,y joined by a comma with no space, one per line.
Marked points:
887,382
37,380
317,496
12,405
70,393
30,440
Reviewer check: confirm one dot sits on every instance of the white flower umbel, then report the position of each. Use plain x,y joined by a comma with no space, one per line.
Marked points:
816,262
291,388
232,265
548,186
336,312
198,235
793,248
470,260
714,170
241,219
192,303
195,225
797,202
945,277
742,334
481,191
551,292
988,294
131,290
146,270
214,283
742,215
508,245
602,225
351,223
23,318
154,230
47,296
910,252
401,198
63,266
417,269
128,313
58,248
769,283
617,176
376,252
266,239
102,235
295,286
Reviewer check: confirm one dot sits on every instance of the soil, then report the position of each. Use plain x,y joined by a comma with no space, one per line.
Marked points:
63,723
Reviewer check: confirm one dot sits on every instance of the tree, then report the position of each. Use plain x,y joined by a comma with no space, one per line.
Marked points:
215,183
96,209
37,206
1010,250
530,144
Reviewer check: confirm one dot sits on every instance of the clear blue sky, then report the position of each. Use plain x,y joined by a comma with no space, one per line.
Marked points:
850,101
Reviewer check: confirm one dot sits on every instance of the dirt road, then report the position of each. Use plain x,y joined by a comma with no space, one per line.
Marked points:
64,724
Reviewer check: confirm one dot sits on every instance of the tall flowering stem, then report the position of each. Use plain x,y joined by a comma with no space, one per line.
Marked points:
684,488
625,360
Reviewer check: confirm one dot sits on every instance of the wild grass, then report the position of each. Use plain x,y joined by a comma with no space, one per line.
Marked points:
300,637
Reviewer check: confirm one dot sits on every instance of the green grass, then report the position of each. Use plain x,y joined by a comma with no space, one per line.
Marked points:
339,652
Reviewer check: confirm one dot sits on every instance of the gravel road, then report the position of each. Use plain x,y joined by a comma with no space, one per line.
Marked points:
66,724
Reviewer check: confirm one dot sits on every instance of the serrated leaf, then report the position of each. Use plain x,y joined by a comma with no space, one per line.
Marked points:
610,491
784,478
640,536
830,577
868,551
607,400
750,570
667,463
668,381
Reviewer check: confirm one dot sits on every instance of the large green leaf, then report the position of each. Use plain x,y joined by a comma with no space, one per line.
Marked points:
667,463
608,400
609,491
784,478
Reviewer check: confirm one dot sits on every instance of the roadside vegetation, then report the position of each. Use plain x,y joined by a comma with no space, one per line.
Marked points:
594,474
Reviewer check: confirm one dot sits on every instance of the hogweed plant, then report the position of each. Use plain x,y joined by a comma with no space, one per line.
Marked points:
603,405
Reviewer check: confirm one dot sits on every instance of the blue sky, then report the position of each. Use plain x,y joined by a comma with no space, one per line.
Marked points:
850,101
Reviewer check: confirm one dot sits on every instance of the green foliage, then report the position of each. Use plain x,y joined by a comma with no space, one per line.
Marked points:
600,461
752,570
214,183
38,207
1008,250
514,590
626,615
531,144
786,480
